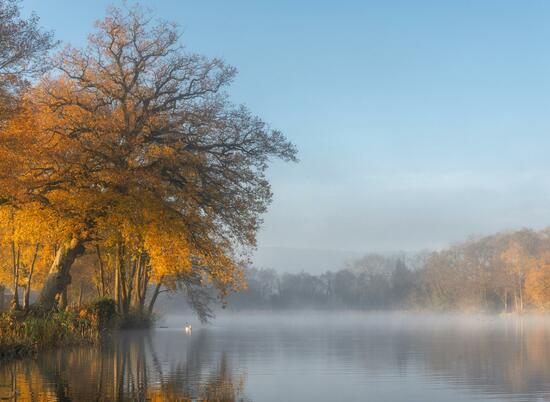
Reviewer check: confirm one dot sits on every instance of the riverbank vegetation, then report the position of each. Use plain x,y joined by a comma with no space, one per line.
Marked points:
506,272
125,172
23,334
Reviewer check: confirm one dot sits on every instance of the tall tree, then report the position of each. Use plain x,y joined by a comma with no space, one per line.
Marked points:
135,140
23,47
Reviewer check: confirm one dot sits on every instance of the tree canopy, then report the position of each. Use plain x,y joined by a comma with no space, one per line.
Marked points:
133,144
23,48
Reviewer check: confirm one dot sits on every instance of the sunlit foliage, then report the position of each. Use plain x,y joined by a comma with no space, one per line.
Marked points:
133,148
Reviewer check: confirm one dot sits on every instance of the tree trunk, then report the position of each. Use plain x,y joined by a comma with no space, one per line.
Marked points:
59,276
2,296
129,273
143,288
27,296
117,288
505,301
520,291
80,294
101,271
520,300
64,299
15,255
123,272
136,293
154,298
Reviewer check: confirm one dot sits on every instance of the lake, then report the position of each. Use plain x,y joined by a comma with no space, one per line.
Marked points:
301,357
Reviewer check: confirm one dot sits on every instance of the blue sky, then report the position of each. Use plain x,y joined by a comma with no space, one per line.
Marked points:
418,122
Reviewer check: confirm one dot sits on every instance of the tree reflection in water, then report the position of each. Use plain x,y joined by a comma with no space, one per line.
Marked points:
126,369
477,357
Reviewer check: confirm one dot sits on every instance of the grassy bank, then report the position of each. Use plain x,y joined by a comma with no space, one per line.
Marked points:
24,334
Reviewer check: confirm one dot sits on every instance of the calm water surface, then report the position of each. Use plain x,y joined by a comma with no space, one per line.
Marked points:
309,357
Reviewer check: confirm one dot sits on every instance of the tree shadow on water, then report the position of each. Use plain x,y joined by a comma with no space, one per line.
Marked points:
129,368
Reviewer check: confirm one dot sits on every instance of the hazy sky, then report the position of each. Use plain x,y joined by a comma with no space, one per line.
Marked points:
418,122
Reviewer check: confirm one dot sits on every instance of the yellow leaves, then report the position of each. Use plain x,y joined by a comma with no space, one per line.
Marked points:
537,281
31,224
158,150
169,253
31,232
17,139
134,143
168,240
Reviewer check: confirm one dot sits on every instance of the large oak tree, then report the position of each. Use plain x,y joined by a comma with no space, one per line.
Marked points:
134,138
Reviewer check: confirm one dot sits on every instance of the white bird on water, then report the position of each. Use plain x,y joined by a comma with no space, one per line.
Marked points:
188,328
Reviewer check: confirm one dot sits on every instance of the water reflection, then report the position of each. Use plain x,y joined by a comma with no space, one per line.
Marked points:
320,358
128,368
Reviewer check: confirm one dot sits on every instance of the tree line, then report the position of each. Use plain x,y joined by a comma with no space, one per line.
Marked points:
127,159
505,272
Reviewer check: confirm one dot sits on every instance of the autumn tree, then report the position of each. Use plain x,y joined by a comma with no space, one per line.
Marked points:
137,144
27,241
23,47
516,261
537,281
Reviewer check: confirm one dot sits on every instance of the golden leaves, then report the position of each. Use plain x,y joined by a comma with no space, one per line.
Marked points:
133,142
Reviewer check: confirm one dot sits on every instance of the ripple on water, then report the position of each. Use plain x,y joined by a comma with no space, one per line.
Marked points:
318,357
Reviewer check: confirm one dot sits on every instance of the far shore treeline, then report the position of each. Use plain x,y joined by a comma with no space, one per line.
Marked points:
125,169
505,272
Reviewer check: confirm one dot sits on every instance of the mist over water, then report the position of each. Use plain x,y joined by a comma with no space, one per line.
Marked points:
301,356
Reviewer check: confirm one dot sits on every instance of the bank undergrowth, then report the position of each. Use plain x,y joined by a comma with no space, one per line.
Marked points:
26,333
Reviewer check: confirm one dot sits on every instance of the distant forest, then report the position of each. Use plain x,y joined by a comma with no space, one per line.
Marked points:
506,272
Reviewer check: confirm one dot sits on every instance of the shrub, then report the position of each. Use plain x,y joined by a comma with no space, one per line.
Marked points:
27,333
102,312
